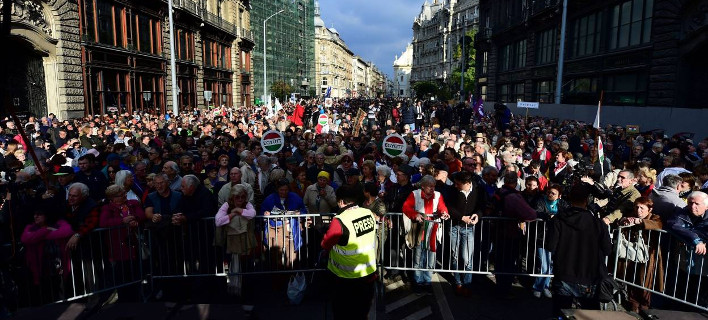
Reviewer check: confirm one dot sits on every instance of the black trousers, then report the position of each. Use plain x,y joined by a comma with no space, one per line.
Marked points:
351,298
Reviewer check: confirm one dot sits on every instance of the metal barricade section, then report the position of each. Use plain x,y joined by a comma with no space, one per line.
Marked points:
104,260
492,246
657,262
119,258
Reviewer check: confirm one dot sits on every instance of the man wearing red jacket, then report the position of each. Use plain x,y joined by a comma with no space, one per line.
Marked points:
423,206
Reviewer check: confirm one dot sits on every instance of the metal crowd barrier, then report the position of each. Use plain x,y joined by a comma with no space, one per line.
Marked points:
104,260
671,268
126,259
495,245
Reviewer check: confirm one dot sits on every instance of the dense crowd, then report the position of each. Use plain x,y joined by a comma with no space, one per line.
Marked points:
169,170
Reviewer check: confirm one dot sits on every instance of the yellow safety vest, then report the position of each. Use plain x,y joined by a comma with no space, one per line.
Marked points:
358,258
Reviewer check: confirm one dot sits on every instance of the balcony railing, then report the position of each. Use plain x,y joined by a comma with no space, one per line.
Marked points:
246,34
194,8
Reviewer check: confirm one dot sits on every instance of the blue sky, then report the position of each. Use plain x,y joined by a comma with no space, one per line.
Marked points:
376,30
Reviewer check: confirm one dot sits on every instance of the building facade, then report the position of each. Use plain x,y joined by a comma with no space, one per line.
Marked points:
290,44
107,56
639,52
332,60
438,31
402,73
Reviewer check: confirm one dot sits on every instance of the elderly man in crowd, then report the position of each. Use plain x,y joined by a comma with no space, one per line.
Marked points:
172,171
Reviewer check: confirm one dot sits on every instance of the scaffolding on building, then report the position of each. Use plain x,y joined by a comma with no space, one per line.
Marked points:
290,42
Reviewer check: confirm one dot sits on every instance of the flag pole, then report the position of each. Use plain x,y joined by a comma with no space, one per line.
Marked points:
600,147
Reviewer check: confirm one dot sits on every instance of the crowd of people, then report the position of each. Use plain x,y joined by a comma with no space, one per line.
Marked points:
71,176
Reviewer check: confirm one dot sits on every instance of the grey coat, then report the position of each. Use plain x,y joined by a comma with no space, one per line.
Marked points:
666,201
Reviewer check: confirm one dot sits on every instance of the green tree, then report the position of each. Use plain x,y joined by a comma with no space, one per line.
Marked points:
425,89
280,89
470,82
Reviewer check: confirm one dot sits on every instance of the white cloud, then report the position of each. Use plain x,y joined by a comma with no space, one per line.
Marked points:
376,30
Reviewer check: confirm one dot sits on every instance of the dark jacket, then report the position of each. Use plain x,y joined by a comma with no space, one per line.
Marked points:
396,195
689,228
458,205
580,242
96,182
408,114
200,205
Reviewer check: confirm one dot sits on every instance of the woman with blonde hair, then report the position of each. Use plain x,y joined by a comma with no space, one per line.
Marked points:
645,181
236,219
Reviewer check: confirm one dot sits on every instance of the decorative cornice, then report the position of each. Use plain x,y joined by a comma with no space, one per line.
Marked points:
30,13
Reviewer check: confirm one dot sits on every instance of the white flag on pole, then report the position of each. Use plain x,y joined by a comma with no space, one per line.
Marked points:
596,124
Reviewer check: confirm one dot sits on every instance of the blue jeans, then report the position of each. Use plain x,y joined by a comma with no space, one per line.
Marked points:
462,241
544,257
423,259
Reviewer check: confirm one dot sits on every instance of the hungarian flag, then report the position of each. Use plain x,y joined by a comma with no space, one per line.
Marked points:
428,236
601,155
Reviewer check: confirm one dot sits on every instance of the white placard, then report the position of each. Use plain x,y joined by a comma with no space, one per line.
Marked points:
527,105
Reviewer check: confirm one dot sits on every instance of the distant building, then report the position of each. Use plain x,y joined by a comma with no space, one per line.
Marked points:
333,61
290,42
437,32
639,52
402,73
92,57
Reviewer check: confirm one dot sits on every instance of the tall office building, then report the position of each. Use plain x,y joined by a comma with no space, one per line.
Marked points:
290,44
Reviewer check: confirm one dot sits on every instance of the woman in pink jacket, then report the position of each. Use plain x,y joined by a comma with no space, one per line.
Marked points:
235,218
122,217
47,258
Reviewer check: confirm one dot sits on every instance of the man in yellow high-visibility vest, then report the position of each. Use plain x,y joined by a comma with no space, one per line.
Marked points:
351,241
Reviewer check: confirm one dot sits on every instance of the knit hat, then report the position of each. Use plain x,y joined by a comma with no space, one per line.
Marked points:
323,174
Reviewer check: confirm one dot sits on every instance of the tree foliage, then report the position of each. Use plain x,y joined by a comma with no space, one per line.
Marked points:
470,82
425,89
280,89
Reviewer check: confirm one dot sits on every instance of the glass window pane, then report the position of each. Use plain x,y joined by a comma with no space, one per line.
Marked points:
105,22
637,7
636,35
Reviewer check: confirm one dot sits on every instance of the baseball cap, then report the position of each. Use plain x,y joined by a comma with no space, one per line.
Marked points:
64,170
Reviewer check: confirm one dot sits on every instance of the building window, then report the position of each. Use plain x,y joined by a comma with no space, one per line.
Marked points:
105,23
112,91
217,55
546,47
586,35
185,45
148,91
631,23
149,34
545,91
518,92
626,89
324,81
513,56
483,91
510,92
581,91
485,63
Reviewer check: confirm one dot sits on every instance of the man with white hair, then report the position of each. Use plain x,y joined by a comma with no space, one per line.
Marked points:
691,223
171,169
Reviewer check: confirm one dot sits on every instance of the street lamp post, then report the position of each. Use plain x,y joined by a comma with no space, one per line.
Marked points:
265,69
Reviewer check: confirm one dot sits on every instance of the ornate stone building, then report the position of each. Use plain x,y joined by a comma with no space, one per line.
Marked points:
402,73
639,52
333,67
437,33
90,57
